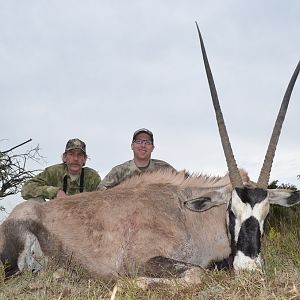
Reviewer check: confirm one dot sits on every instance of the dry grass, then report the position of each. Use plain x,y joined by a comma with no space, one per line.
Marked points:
280,280
215,285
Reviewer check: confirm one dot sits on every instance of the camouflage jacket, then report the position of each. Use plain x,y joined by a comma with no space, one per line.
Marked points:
127,169
47,183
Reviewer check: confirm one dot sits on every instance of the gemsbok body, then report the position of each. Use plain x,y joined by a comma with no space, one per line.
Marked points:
155,224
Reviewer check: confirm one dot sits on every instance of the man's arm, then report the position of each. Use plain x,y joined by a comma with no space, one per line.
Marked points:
117,175
39,186
110,180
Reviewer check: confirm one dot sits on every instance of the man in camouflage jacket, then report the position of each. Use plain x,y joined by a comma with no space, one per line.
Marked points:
142,146
67,178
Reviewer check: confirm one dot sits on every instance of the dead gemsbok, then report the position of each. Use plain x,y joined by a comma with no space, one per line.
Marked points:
155,224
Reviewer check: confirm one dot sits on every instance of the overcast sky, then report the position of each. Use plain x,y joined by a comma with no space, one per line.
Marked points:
99,70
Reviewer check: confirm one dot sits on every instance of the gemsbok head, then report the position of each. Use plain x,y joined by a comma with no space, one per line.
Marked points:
249,205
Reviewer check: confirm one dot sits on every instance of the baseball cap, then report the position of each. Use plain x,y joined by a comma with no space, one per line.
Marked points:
143,130
75,144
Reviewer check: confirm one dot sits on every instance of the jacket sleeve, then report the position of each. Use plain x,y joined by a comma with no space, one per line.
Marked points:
110,180
39,186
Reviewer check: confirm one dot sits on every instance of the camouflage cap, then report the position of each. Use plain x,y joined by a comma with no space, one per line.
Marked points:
143,130
75,144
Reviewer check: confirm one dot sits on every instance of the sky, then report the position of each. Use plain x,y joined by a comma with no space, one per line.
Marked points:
98,70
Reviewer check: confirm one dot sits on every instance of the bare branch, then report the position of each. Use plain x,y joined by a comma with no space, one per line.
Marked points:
13,169
17,146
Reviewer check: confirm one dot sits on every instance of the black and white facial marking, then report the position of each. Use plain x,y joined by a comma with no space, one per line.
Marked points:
247,212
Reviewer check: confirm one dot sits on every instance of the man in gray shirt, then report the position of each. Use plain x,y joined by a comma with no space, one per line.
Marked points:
142,146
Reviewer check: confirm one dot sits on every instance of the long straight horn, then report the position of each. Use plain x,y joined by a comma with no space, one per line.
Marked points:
234,174
264,176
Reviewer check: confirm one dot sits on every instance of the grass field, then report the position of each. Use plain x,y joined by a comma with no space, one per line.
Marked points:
279,280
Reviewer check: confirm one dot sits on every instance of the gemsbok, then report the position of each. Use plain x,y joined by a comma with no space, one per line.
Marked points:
156,224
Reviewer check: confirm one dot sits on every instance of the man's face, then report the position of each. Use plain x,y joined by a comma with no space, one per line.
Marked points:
142,146
75,159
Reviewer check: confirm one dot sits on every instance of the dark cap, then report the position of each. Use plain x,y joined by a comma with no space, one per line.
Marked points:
75,144
143,130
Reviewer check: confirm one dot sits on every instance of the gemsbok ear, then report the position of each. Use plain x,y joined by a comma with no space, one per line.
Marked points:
203,203
284,197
